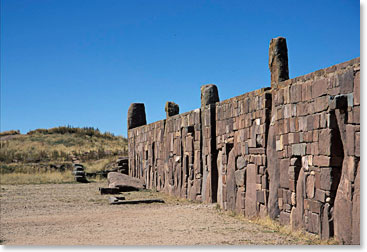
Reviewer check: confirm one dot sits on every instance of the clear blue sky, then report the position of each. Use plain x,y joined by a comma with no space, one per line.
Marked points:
83,62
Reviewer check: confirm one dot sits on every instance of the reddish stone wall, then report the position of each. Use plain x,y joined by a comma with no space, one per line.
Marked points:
290,152
241,137
316,130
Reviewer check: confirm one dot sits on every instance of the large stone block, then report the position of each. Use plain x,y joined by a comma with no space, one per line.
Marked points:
350,145
325,142
171,109
278,60
241,163
284,177
346,81
136,115
319,87
231,182
299,149
356,209
240,176
284,218
250,202
356,90
321,161
326,179
209,94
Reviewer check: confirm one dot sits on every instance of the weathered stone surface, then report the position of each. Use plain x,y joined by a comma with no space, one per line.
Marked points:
220,180
231,183
326,220
310,186
136,115
116,179
241,163
274,173
321,161
284,168
284,218
299,149
343,207
356,90
278,60
209,94
290,143
171,109
298,220
346,81
250,202
240,177
356,209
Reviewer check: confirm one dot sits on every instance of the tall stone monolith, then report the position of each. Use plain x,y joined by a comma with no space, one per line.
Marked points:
171,109
136,115
209,94
278,60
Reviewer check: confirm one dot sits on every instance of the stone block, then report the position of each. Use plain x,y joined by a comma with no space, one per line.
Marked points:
320,195
241,163
171,109
136,115
356,90
209,94
278,60
326,179
240,177
299,149
310,186
357,144
260,197
350,131
284,218
321,104
296,93
346,81
356,115
325,142
284,178
319,87
258,179
314,223
321,161
306,91
326,226
250,201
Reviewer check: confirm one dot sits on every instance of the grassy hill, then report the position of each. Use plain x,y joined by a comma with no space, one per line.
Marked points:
43,152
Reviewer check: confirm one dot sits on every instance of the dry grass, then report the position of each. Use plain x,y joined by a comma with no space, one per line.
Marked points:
97,165
59,147
51,177
273,226
37,178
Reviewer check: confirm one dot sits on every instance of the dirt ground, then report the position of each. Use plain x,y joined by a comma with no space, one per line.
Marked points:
76,214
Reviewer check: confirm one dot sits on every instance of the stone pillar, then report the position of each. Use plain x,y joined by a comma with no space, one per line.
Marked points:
278,60
171,109
209,94
136,115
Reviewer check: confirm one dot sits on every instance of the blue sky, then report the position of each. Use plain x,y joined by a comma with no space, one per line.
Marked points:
81,63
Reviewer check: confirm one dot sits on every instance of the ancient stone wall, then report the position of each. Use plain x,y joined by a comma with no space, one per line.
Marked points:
316,128
290,151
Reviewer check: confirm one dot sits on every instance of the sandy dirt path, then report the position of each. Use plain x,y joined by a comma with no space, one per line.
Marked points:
76,214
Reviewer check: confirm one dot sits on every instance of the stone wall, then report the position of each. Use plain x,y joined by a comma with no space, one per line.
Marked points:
316,128
290,151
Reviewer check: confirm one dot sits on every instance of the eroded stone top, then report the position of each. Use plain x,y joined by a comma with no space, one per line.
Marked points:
209,94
